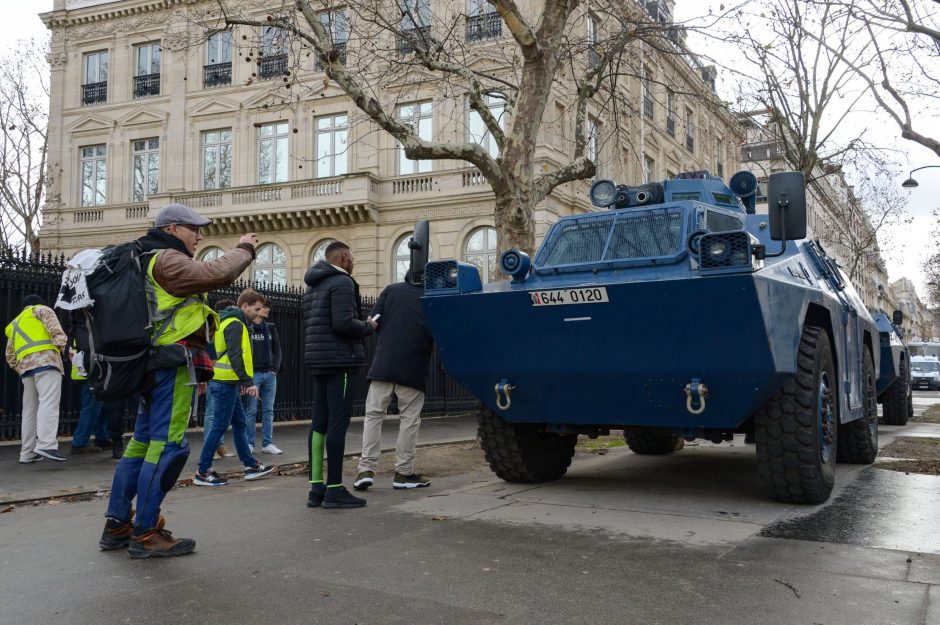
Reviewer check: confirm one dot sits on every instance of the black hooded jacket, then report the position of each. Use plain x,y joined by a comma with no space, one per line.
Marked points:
333,330
404,347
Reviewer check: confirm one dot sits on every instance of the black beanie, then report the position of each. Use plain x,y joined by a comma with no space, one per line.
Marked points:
33,300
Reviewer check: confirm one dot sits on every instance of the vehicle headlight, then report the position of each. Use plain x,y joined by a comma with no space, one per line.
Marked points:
718,250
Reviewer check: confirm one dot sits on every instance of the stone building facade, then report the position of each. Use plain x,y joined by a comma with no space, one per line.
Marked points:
145,110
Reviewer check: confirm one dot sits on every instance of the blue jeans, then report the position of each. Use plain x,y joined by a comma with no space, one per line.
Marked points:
208,418
89,420
228,408
266,381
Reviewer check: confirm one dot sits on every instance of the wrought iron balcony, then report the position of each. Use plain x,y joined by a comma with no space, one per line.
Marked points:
147,85
648,107
412,37
339,49
95,93
485,26
217,75
689,143
272,66
671,126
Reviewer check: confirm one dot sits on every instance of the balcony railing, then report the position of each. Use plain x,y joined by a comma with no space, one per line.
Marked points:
689,143
339,49
147,85
217,75
95,93
486,26
671,126
272,66
648,107
411,38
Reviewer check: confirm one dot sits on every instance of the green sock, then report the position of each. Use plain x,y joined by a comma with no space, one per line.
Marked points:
317,442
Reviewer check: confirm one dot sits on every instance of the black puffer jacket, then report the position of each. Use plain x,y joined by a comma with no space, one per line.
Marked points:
333,331
404,347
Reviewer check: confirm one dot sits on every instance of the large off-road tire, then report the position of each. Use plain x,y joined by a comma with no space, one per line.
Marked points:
522,452
894,400
651,441
858,440
796,430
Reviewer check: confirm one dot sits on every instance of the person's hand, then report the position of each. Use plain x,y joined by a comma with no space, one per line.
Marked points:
201,387
372,322
251,390
251,237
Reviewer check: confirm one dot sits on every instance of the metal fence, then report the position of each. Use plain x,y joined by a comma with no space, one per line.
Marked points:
23,275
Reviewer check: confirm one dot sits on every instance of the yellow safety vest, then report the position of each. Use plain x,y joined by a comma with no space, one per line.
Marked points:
28,335
223,366
178,317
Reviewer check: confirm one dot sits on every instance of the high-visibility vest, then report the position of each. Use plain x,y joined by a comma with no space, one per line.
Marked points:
178,317
28,335
223,366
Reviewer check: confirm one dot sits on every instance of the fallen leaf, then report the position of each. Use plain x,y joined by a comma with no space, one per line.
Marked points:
439,518
7,509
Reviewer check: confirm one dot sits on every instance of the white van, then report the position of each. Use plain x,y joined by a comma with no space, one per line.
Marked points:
925,372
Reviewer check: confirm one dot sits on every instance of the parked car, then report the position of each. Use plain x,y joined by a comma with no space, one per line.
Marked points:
925,372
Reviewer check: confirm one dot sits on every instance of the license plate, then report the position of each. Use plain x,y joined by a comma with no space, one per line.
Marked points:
561,297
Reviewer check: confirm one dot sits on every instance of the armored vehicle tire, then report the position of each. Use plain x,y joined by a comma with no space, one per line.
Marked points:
858,440
894,400
796,430
651,441
522,452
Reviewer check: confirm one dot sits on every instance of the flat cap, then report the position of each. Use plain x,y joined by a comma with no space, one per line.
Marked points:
179,214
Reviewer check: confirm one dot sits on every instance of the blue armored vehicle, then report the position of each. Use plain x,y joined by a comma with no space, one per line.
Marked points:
894,380
673,313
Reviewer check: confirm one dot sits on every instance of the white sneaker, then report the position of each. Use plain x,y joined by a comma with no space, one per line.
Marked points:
271,448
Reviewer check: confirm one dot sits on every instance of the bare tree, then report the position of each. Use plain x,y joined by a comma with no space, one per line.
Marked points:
24,101
932,269
396,48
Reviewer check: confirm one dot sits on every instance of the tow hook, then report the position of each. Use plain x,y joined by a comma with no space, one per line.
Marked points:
503,391
695,391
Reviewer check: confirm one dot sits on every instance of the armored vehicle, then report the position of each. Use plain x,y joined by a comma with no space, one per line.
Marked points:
673,312
894,378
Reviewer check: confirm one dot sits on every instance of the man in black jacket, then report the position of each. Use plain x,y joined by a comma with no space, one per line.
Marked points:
333,351
400,367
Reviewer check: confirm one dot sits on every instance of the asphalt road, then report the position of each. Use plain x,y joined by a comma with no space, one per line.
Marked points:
684,539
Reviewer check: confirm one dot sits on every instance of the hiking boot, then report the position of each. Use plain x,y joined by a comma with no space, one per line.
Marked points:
339,497
364,480
209,478
86,449
52,454
409,481
258,471
271,448
158,543
315,498
223,452
117,534
33,457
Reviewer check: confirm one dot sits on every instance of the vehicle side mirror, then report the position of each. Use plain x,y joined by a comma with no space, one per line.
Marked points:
897,318
786,205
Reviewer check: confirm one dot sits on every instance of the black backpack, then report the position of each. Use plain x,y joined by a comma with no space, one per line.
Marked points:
115,331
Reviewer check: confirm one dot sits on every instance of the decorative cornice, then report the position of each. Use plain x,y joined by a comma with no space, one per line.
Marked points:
63,19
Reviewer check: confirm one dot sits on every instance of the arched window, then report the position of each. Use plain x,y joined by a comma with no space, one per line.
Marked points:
319,251
211,253
401,260
270,265
480,250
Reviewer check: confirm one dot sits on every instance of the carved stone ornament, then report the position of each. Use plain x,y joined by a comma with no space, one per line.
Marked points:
56,59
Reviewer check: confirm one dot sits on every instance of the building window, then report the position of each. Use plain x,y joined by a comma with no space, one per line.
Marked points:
217,159
594,145
483,21
211,253
689,140
331,146
719,165
402,260
418,116
273,61
146,166
649,169
646,81
415,24
95,80
94,175
593,57
218,68
671,113
337,25
270,265
319,251
147,70
479,133
480,251
272,153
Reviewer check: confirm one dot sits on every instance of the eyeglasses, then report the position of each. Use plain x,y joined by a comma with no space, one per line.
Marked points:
193,229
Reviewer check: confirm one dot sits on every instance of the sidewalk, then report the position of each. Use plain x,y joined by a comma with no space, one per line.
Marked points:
89,473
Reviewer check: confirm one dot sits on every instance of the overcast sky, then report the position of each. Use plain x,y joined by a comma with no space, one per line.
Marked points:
909,243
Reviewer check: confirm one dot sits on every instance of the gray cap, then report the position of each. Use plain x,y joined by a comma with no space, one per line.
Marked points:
179,214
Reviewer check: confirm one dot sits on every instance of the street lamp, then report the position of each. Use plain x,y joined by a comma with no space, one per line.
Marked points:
910,183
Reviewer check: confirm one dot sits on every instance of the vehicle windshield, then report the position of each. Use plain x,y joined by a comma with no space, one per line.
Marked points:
927,367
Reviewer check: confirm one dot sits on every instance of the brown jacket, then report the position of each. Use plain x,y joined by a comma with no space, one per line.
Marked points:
47,357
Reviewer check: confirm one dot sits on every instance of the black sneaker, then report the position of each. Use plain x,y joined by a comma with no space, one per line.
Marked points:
409,481
52,454
339,497
209,478
317,492
364,480
258,471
